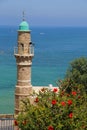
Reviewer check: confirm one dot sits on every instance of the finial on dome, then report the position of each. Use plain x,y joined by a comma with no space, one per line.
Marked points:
23,16
24,25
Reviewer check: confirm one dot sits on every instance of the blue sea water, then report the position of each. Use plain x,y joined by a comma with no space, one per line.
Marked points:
55,48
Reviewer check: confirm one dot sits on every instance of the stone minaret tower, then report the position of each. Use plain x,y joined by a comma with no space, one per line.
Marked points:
24,53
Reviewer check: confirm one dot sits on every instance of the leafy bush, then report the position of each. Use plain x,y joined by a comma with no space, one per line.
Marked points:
77,72
54,109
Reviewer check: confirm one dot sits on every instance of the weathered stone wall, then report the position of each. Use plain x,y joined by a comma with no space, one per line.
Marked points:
23,75
24,61
24,40
20,94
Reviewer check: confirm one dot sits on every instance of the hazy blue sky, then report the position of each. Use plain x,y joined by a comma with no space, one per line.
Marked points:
44,12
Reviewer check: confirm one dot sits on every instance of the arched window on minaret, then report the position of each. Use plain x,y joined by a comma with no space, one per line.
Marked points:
21,48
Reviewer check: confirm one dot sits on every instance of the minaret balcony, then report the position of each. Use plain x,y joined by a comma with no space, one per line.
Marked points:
24,51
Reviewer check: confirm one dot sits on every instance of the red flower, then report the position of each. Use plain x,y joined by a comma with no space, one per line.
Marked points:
74,93
69,102
50,128
54,101
15,123
36,100
24,122
63,103
55,90
71,115
79,97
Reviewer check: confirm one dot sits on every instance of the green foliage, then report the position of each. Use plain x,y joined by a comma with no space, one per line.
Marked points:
59,109
77,72
54,110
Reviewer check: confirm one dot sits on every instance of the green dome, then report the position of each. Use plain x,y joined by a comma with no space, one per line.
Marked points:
23,26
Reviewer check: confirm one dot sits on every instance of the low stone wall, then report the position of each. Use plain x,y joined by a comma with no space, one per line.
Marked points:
38,88
6,115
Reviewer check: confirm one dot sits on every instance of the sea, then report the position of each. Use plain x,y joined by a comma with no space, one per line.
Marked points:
54,49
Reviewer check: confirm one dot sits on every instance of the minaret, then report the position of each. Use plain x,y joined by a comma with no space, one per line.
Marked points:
24,53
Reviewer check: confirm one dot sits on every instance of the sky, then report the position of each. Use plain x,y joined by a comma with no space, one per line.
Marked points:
44,12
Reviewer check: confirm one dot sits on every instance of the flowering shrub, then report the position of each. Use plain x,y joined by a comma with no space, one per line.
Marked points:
54,110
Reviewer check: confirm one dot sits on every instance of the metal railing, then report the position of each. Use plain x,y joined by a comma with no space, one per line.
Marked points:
6,123
30,51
